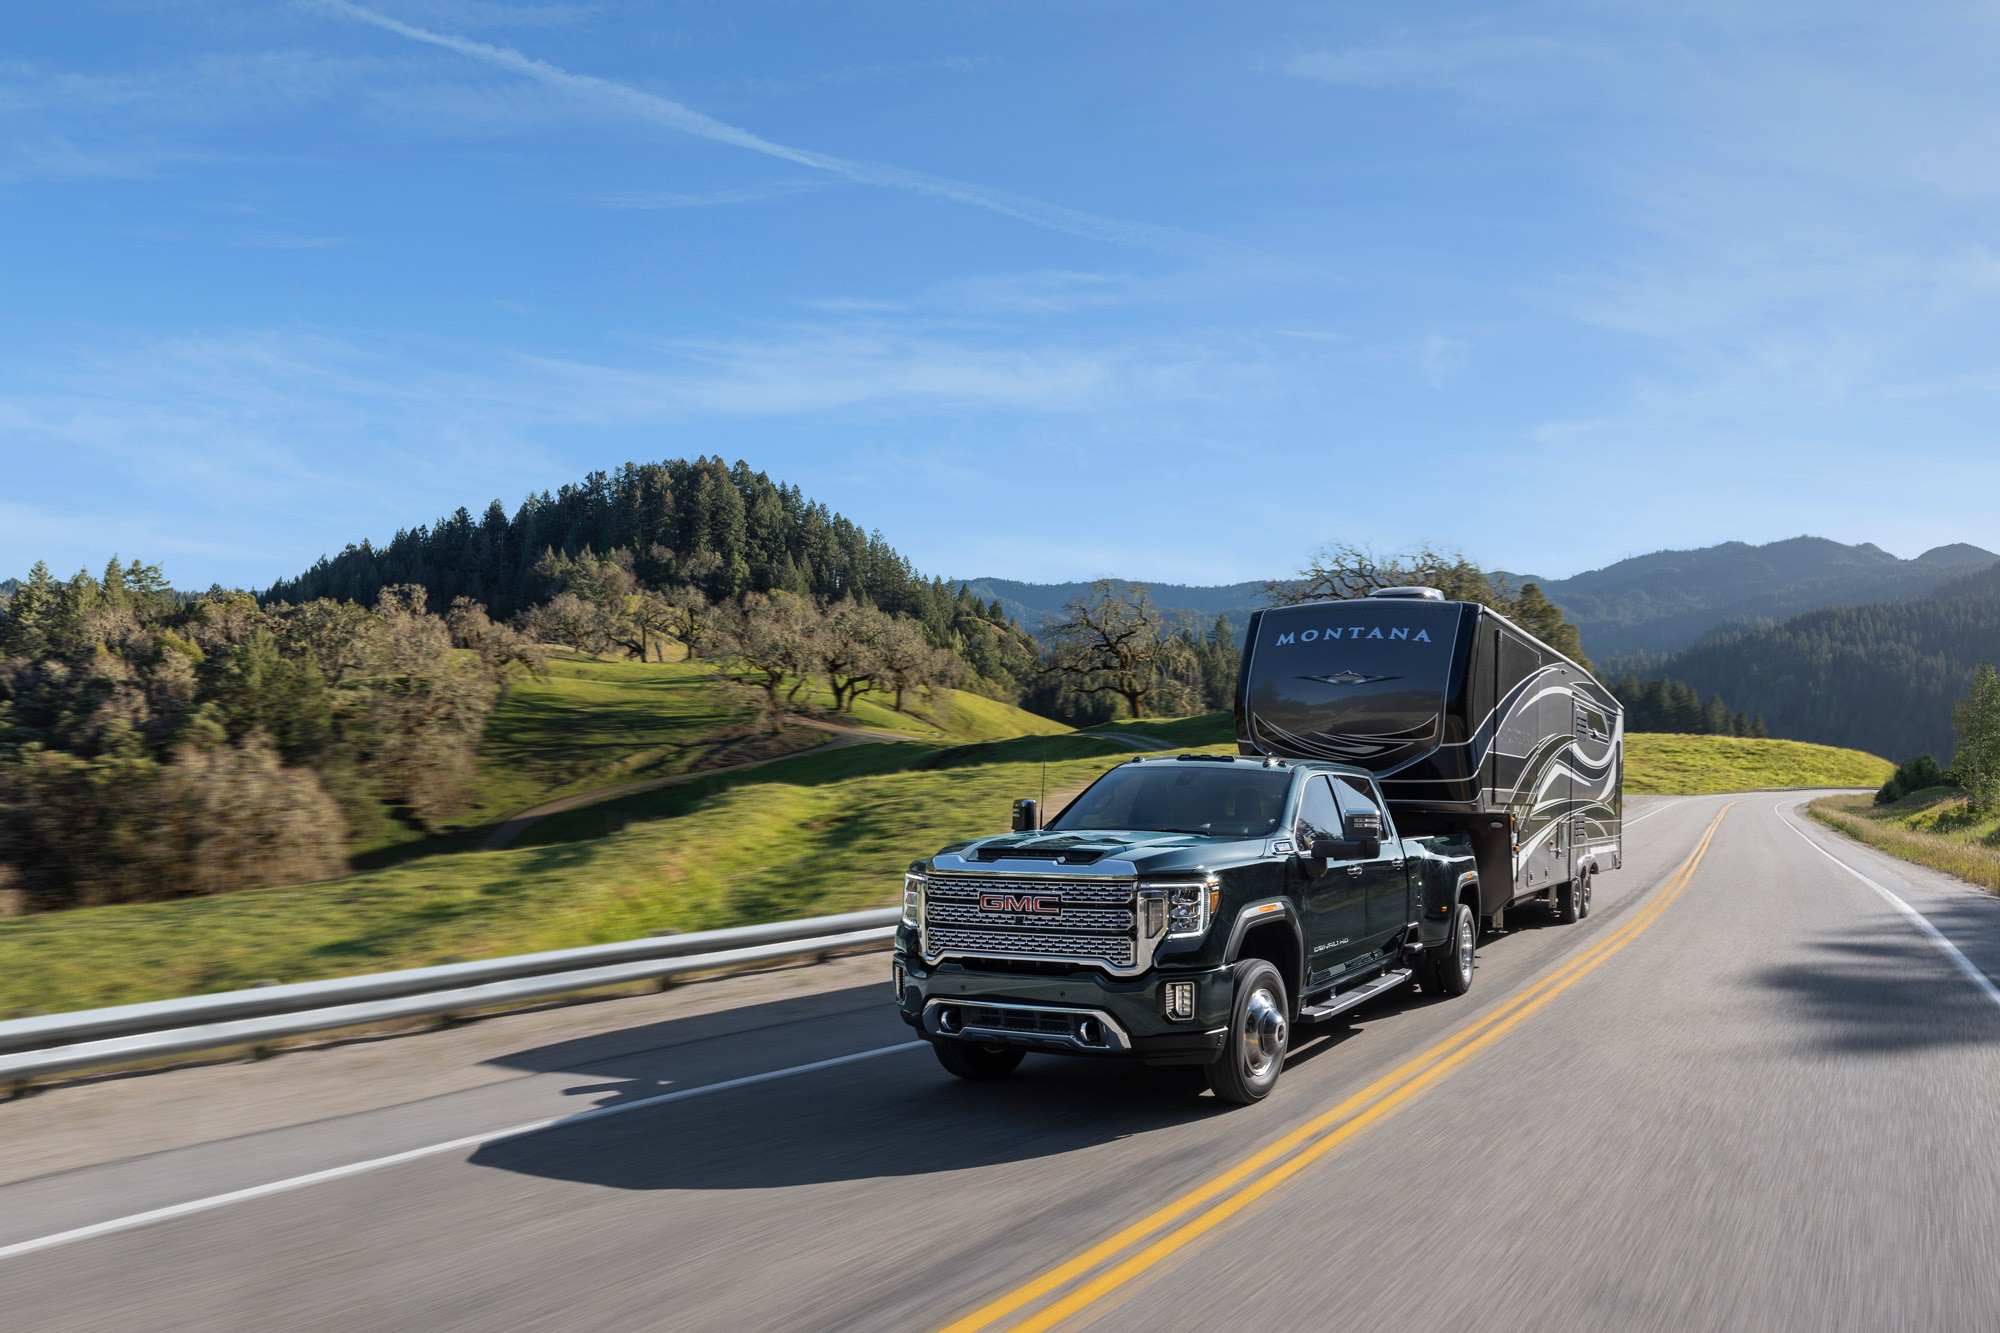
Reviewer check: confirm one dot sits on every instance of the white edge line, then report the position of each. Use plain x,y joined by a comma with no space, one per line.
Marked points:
214,1201
1915,918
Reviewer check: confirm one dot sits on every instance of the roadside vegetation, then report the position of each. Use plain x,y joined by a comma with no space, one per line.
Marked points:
1935,827
810,834
1944,818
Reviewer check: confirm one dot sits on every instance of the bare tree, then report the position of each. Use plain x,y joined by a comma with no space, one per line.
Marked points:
909,662
1112,640
768,641
849,651
690,619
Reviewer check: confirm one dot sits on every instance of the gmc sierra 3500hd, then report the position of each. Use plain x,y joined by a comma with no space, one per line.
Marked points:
1191,909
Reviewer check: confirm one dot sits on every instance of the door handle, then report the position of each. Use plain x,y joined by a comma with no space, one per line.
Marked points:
1354,872
1396,864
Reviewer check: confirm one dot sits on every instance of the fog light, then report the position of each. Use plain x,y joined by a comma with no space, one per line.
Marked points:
1180,1001
949,1020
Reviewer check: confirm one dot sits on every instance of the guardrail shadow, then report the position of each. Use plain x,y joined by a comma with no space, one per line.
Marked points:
894,1115
1886,989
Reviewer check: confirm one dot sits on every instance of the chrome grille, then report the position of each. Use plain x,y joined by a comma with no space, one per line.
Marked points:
1107,949
1072,918
1098,924
1078,891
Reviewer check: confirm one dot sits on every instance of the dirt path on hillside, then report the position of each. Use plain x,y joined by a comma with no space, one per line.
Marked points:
514,826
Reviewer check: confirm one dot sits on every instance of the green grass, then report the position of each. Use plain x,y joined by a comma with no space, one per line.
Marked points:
814,833
1935,828
595,724
1689,765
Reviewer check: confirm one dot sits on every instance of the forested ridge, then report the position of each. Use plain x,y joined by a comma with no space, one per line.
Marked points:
1881,677
726,530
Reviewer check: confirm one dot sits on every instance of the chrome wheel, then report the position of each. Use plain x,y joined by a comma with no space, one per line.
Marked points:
1263,1033
1466,940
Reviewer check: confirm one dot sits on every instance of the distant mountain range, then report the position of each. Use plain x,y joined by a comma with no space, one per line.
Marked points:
1650,604
1880,677
1666,601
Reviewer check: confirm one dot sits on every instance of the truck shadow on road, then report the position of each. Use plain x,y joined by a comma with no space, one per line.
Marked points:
1878,991
892,1115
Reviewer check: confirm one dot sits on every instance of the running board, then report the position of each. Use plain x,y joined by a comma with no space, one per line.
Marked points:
1340,1004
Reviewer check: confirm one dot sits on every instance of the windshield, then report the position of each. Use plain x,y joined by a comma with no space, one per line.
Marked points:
1236,800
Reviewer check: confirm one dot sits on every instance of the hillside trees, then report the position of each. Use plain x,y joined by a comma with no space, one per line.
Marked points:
1882,677
1113,641
155,745
1976,718
1675,706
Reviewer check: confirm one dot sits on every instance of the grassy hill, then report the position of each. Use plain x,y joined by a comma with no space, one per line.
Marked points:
595,724
814,833
1686,765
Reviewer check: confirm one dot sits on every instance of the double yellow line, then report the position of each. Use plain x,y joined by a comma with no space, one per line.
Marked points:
1209,1205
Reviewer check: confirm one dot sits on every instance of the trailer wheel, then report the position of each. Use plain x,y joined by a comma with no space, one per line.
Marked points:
1253,1050
980,1064
1574,900
1448,969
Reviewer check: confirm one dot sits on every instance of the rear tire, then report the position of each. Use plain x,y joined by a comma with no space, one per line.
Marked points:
1448,968
1260,1031
980,1064
1573,902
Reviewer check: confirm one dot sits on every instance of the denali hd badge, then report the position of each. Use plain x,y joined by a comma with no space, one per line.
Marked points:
1022,904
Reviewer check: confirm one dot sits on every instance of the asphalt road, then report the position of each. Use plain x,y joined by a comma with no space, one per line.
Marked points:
1749,1093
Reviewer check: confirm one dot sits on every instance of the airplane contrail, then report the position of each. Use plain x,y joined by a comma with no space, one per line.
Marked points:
686,120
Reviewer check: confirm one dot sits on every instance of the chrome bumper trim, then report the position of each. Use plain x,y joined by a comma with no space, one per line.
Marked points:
1034,1024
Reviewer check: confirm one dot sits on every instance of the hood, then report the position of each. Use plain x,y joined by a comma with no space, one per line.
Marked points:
1102,852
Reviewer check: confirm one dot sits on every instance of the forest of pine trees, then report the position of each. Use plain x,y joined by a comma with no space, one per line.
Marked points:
1883,677
1675,706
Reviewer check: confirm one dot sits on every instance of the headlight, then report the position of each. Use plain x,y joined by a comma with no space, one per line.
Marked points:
1190,906
913,900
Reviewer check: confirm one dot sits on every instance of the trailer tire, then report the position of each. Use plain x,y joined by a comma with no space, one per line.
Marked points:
979,1064
1573,903
1448,968
1253,1050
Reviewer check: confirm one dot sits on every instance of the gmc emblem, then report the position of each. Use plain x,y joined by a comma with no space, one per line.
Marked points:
1030,904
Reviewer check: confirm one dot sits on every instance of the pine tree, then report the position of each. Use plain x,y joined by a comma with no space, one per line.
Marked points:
1977,720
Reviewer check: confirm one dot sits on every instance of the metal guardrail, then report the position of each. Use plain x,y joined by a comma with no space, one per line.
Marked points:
90,1038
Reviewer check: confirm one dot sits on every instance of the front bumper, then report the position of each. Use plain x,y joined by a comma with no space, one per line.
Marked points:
1075,1013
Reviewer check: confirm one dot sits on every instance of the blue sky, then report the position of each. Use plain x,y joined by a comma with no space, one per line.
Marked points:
1039,290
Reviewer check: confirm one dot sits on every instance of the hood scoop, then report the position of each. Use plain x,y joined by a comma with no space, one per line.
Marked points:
1063,851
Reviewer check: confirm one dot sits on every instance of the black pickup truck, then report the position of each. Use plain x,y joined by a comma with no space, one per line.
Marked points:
1183,910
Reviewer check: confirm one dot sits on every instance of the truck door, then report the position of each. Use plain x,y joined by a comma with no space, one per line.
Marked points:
1384,878
1335,893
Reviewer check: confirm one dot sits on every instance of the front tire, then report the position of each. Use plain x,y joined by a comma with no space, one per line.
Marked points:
1260,1030
979,1064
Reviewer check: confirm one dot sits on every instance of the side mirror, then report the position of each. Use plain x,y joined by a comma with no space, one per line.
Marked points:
1027,815
1346,849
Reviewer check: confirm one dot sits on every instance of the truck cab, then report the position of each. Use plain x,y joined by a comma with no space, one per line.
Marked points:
1188,909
